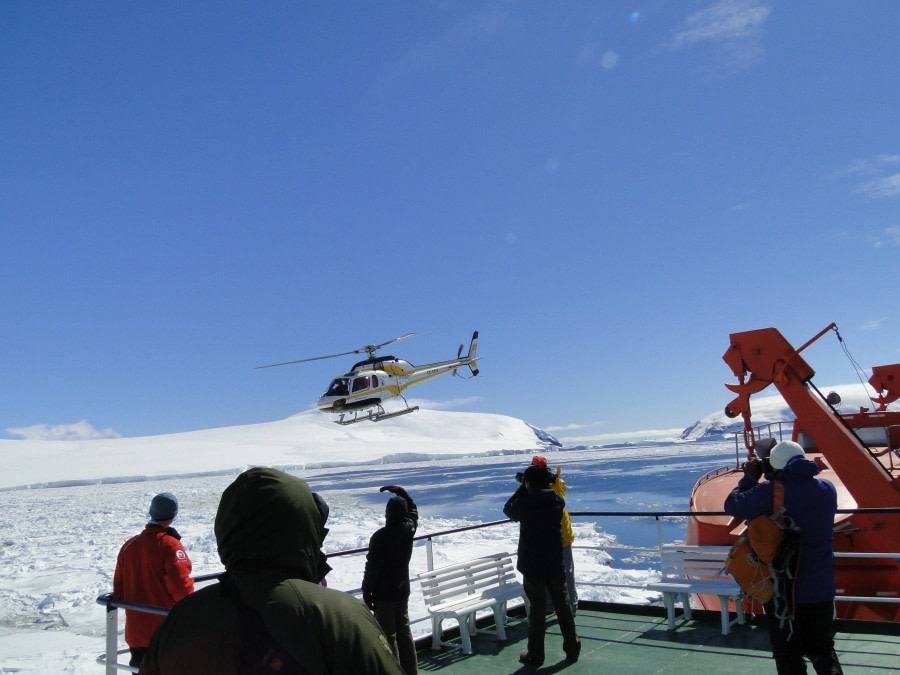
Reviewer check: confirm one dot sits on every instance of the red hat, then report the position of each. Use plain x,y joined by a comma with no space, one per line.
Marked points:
537,460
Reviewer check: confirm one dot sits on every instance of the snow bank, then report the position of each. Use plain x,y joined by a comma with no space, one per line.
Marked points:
307,440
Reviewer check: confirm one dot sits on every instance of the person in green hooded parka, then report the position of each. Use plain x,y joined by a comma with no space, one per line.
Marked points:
269,529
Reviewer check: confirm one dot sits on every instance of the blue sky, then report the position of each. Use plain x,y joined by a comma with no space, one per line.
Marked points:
604,190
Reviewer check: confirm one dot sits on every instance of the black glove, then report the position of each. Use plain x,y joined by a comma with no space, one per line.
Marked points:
396,489
753,468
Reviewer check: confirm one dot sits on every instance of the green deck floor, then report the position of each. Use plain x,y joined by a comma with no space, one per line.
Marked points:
617,639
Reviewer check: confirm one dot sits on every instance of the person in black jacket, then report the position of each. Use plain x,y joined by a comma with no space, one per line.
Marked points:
538,510
386,580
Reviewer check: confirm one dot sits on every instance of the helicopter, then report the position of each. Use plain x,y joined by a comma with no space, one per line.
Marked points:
377,379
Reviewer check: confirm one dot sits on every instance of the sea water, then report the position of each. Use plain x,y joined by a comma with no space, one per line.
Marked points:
653,478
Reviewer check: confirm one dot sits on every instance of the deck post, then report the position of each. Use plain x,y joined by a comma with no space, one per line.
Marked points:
112,638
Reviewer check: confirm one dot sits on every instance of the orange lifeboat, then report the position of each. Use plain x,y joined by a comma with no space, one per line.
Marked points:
859,453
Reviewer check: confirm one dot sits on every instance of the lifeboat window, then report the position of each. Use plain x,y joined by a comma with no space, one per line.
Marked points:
374,380
873,435
361,383
338,387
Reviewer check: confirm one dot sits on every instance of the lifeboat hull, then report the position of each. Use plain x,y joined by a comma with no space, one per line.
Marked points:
854,533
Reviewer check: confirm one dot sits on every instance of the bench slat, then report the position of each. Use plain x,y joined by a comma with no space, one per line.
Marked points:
441,598
487,561
463,575
467,587
443,576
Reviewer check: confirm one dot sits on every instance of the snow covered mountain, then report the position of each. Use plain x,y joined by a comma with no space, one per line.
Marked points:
308,439
768,409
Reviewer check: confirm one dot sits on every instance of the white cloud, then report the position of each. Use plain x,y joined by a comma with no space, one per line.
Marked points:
727,21
886,186
879,173
874,324
79,431
870,166
891,236
484,26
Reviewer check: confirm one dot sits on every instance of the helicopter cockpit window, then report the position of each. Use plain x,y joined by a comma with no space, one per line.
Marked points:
361,383
339,387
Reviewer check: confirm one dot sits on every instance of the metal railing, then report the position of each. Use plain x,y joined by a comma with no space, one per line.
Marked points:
771,429
110,658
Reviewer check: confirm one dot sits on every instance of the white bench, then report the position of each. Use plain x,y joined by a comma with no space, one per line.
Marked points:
697,569
459,591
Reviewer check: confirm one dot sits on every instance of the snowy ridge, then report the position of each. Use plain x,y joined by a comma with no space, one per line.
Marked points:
306,440
769,409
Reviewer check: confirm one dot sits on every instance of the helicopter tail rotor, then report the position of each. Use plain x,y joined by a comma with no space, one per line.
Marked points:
469,359
473,360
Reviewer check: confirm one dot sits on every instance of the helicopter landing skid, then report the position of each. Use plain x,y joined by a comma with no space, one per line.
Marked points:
375,416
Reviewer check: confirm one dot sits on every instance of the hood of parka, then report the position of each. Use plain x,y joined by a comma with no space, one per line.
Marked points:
800,466
269,519
396,510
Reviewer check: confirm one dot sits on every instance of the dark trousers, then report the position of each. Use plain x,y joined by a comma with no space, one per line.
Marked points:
537,589
393,617
137,655
810,634
569,568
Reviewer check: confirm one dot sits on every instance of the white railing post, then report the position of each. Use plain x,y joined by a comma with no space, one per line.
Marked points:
112,639
429,554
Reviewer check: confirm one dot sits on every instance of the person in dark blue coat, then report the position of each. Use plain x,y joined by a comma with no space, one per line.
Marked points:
538,510
810,505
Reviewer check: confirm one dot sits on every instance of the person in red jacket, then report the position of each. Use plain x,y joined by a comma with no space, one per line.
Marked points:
152,569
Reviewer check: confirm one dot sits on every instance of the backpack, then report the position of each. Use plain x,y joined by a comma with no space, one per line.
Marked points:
766,551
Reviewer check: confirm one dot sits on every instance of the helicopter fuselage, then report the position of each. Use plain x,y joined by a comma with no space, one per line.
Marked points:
369,383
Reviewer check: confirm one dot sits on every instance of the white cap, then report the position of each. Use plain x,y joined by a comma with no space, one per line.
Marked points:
782,452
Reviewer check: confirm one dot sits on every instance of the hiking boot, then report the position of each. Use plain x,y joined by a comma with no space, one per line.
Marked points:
573,654
530,660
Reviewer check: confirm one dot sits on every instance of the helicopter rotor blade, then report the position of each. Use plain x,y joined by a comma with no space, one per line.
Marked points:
368,349
315,358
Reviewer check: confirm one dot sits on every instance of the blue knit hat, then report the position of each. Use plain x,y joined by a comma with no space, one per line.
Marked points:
164,507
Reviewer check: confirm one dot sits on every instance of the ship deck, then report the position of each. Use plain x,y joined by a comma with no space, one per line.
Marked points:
627,639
